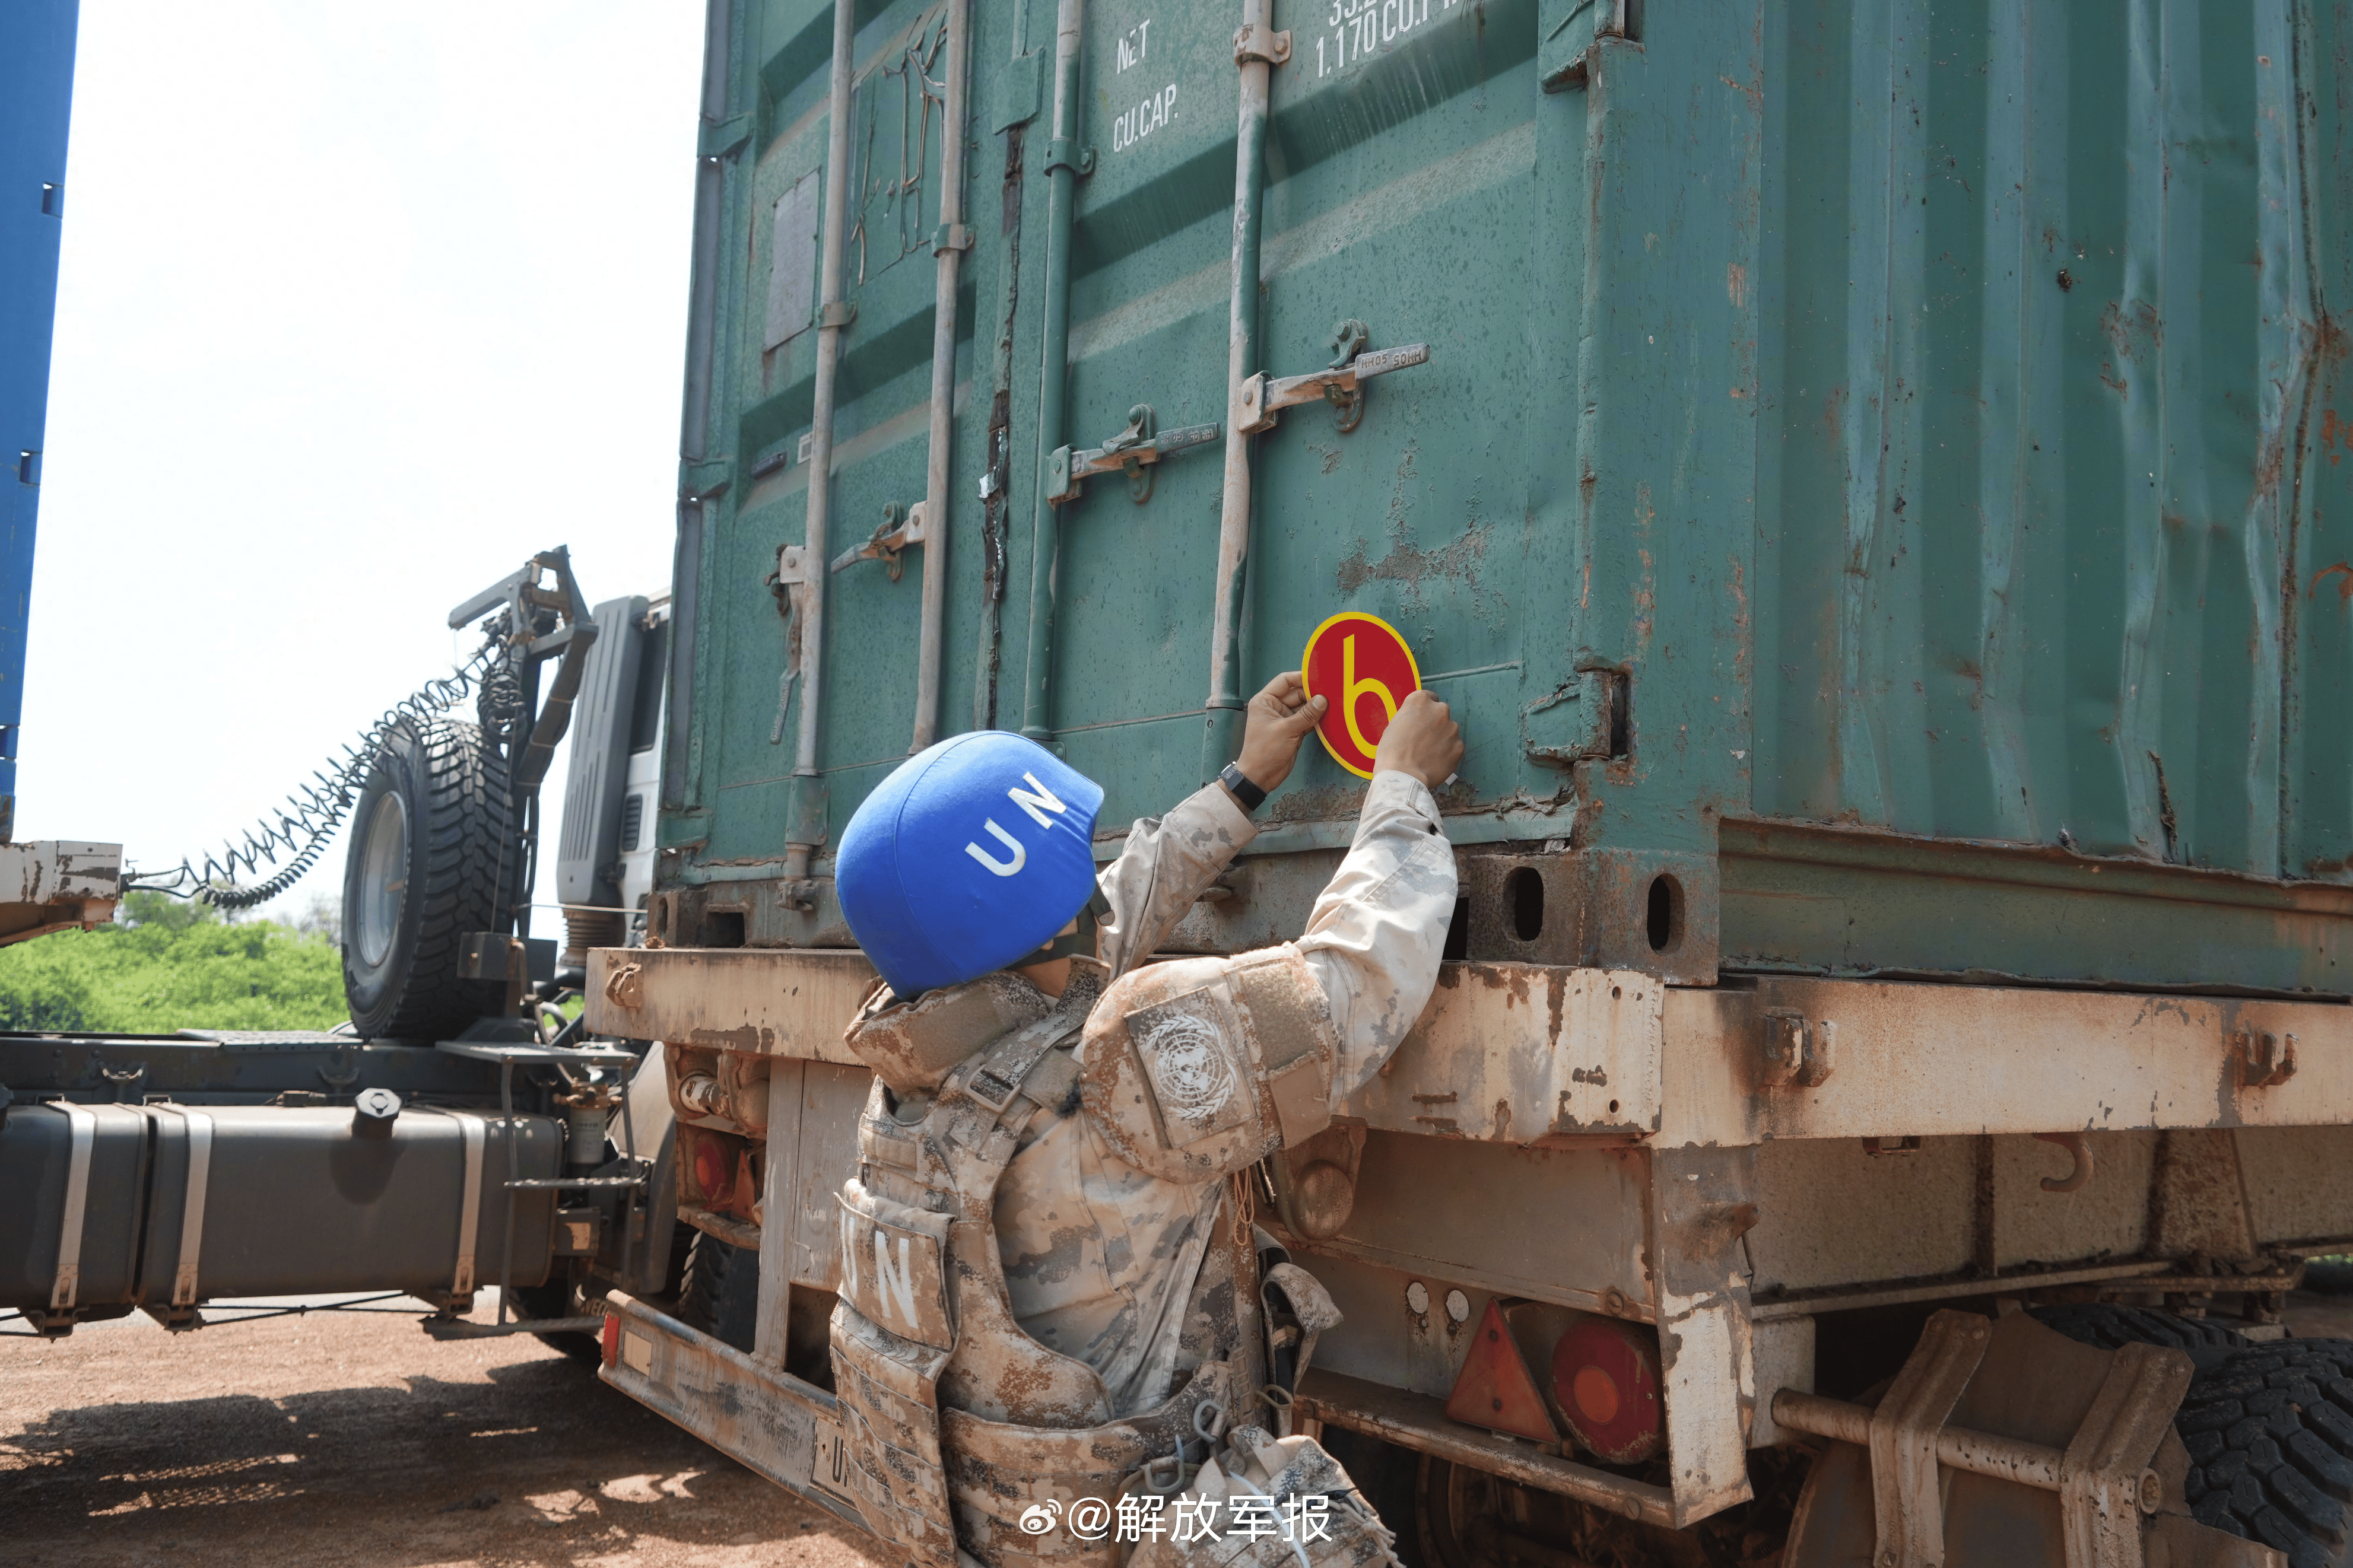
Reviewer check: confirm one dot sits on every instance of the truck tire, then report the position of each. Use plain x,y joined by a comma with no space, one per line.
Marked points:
2107,1327
2270,1433
431,859
722,1293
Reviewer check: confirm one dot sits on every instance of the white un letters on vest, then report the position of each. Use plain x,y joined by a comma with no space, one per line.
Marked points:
893,1267
1037,805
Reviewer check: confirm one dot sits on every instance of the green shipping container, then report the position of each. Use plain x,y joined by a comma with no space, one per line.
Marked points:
1874,497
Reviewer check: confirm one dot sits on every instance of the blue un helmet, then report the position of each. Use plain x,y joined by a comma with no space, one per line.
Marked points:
973,853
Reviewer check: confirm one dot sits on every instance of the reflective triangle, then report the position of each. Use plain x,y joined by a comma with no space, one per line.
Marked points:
1494,1390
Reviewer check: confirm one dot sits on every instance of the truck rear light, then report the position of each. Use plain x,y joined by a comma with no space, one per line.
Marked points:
612,1338
1605,1385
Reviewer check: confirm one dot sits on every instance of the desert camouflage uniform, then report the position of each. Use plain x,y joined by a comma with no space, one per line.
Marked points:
1092,1289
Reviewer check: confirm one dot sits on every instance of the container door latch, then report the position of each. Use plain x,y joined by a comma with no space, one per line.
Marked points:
1135,451
1341,385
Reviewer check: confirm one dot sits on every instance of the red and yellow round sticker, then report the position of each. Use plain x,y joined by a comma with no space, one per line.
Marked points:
1363,667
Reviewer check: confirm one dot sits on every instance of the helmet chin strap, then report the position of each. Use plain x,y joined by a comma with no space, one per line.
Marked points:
1078,939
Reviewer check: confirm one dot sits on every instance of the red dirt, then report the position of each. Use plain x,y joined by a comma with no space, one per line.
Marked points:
345,1438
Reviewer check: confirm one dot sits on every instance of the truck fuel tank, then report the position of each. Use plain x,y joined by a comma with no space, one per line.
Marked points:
164,1206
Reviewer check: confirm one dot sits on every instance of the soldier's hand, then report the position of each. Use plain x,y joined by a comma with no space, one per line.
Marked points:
1422,740
1280,719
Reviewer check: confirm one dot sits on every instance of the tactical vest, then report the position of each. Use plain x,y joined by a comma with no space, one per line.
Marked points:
957,1424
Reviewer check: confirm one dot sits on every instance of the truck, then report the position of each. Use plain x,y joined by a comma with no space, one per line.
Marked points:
1867,480
461,1131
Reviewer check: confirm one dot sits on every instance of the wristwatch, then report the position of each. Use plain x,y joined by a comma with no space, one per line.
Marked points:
1248,794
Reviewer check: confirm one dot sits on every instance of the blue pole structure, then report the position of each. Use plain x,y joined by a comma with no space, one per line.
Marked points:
36,58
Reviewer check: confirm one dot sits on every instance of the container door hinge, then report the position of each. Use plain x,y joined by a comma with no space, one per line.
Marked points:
1569,34
1575,723
791,585
724,138
1341,385
1135,451
704,482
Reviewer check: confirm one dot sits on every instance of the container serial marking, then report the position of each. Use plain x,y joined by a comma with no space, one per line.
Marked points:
1361,25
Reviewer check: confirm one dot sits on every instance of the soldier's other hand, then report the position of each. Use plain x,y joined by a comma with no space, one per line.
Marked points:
1423,740
1280,719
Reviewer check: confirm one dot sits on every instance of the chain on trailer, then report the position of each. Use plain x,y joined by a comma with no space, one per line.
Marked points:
302,826
530,623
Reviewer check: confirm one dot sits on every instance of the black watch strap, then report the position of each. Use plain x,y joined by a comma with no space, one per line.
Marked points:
1248,794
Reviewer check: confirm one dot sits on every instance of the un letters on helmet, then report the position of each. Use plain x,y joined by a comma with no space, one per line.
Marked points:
1198,1067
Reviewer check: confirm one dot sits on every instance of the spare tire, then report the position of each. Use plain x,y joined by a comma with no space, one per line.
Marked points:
432,858
2110,1326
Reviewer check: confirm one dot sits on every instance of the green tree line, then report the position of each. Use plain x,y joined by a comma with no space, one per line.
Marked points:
168,965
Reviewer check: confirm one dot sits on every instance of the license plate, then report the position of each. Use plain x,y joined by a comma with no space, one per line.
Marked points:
829,1461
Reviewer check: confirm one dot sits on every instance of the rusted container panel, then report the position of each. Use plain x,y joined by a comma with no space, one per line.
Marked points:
2048,470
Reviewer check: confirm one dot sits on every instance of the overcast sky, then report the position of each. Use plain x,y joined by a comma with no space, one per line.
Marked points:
360,306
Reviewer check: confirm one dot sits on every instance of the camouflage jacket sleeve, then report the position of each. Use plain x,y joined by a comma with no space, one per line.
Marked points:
1168,862
1377,932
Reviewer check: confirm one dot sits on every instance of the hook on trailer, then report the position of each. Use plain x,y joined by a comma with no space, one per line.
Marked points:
2075,1145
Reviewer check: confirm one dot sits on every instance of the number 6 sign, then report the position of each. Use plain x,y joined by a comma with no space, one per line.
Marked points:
1363,667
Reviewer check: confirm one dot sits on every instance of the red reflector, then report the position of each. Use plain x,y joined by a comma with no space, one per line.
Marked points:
1605,1383
612,1338
713,1181
1495,1389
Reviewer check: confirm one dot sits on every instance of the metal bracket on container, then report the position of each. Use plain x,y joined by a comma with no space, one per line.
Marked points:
1257,41
2265,1061
1798,1055
790,584
900,528
1341,385
1133,452
837,314
1061,152
951,237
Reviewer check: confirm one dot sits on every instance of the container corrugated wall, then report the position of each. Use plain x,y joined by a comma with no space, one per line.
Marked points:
2049,477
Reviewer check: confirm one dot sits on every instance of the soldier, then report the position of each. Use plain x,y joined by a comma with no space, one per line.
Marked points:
1052,1291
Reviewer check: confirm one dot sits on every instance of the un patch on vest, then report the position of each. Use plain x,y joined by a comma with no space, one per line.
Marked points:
1200,1069
892,1268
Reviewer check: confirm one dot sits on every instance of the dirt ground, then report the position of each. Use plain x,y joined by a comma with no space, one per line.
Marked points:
342,1437
338,1438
